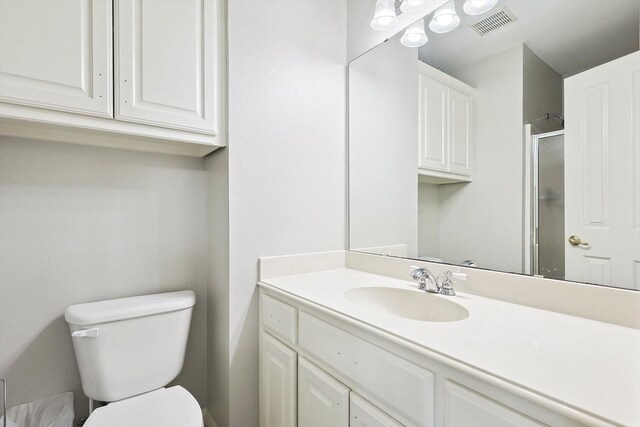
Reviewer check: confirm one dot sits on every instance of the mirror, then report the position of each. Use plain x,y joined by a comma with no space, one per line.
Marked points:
510,143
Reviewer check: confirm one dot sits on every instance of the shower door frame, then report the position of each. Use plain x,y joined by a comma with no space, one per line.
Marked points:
535,163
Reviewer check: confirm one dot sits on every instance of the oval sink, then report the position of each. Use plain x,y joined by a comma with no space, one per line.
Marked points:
407,304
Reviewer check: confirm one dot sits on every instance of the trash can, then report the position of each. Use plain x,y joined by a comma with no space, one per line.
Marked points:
51,411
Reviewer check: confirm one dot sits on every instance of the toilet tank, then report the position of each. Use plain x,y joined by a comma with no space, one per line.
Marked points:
129,346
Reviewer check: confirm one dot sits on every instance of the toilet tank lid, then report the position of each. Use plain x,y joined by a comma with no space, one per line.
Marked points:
128,308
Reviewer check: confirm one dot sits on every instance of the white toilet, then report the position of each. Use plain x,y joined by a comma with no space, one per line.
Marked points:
128,350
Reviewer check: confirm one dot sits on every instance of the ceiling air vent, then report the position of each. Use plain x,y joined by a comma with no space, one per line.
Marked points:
497,19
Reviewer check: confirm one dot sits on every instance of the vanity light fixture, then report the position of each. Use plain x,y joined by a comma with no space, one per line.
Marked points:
478,7
414,6
444,18
414,35
385,16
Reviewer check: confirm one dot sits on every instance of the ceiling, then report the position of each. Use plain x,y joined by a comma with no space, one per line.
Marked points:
569,35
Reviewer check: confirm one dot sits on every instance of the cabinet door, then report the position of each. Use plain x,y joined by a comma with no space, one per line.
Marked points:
467,408
57,55
364,414
166,63
322,401
460,154
432,134
277,384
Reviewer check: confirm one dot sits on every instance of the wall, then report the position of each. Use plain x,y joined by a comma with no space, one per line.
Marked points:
490,208
542,92
217,165
428,220
287,157
80,224
383,130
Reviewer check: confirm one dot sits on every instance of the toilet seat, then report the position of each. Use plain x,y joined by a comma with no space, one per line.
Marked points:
166,407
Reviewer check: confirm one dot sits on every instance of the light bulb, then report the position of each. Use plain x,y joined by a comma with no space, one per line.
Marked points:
414,35
385,16
478,7
413,6
444,18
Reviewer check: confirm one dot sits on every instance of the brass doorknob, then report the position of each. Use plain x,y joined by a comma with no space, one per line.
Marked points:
576,241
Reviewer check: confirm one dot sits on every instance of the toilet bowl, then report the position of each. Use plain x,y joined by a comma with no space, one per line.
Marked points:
128,350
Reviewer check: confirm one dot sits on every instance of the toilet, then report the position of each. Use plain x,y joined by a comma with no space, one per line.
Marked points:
128,350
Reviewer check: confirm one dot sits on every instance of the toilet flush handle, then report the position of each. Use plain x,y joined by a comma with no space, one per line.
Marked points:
89,333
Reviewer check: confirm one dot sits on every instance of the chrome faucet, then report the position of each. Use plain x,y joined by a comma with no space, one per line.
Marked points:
422,275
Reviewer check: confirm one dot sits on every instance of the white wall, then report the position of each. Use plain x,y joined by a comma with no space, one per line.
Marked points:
542,92
428,220
487,213
383,135
80,224
287,157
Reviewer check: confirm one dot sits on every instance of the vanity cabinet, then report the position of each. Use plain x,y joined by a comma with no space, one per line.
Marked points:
465,407
322,400
364,414
318,370
135,74
445,134
277,383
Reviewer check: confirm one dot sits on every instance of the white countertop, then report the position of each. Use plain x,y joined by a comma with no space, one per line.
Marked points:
591,366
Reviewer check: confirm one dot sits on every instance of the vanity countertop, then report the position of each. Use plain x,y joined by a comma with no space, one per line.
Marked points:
587,365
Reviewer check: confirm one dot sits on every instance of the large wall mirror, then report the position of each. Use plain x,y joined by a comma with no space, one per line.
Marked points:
510,142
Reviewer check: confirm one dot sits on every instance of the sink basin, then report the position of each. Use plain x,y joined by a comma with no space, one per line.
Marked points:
408,304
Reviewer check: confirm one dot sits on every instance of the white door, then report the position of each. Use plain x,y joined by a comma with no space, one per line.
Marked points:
57,55
277,383
459,133
602,174
364,414
464,407
166,63
432,133
322,401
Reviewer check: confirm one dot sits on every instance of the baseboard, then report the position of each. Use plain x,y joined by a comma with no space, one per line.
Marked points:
208,419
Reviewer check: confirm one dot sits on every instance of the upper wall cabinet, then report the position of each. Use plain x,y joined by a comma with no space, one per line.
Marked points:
165,54
57,83
57,55
445,144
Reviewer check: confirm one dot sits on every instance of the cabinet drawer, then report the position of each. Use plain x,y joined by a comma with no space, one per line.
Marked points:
464,407
399,387
279,319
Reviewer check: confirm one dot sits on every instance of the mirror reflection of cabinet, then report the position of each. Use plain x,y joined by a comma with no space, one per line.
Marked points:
445,127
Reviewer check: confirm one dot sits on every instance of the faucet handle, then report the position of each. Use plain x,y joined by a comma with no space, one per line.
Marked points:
446,288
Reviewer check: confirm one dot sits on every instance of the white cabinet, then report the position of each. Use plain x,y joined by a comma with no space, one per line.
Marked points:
358,379
464,407
460,148
165,58
57,55
445,134
277,383
66,64
322,401
433,121
403,389
364,414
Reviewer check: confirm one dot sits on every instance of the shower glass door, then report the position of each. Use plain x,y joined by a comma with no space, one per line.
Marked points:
548,205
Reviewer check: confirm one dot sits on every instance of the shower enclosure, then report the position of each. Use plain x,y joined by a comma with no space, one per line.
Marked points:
548,251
